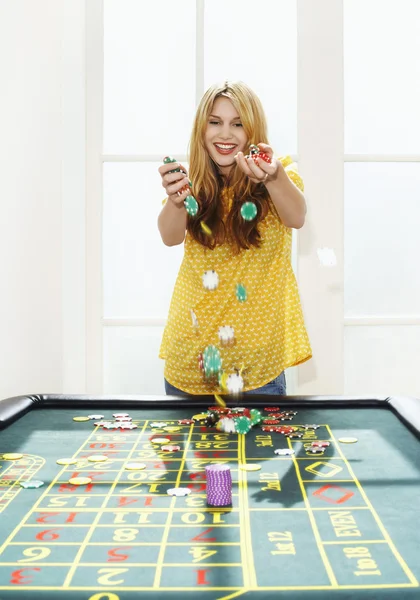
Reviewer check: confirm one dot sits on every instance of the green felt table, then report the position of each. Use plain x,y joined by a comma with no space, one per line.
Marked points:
344,524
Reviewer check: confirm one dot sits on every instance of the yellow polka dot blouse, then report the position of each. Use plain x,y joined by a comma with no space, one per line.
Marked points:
269,329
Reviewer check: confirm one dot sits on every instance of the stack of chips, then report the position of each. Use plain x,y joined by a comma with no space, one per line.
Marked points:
219,485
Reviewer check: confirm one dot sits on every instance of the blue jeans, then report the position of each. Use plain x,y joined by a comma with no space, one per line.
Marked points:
277,386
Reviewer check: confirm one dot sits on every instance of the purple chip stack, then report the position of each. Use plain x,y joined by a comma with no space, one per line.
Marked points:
219,485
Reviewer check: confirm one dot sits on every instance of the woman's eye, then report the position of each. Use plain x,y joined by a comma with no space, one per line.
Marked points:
238,124
214,122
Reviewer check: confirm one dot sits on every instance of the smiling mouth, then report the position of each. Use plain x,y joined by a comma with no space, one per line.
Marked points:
225,148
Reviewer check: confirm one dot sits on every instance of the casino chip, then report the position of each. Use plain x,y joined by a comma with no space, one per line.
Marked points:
33,483
256,416
315,450
294,435
271,422
115,415
348,440
284,429
199,417
210,280
135,466
80,480
310,426
159,440
178,491
250,467
185,422
272,408
172,429
219,400
242,425
80,419
12,456
66,461
320,444
97,458
159,425
95,417
170,448
127,426
284,451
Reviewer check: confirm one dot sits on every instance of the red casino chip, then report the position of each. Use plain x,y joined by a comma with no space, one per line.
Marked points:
285,429
270,428
272,408
320,444
219,409
185,422
271,422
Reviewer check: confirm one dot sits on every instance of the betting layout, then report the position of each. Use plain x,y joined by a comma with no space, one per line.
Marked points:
183,504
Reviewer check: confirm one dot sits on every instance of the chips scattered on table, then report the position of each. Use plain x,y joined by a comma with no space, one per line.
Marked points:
97,458
348,440
12,456
135,466
178,491
250,467
80,419
31,484
80,480
66,461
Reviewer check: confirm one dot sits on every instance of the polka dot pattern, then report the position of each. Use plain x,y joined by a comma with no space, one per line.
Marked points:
269,329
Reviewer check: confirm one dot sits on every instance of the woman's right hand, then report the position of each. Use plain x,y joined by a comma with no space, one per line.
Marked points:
177,185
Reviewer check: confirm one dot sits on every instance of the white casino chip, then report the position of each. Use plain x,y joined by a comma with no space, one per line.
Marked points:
210,280
158,424
178,492
95,417
284,452
235,383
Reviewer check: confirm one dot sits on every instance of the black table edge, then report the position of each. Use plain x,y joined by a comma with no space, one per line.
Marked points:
406,408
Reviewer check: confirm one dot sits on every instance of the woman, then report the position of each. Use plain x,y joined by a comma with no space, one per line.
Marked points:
235,321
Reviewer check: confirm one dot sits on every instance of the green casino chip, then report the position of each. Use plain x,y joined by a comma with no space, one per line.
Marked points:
256,416
191,205
241,292
242,425
248,211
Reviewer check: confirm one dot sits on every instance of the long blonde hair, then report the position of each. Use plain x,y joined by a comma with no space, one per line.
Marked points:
208,182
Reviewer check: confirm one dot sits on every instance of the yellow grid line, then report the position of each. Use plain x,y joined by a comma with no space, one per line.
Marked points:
160,564
385,533
94,524
312,520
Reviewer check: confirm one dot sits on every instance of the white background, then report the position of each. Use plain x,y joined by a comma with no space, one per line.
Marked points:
95,94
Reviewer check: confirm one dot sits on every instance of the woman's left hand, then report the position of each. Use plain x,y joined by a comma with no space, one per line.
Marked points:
259,171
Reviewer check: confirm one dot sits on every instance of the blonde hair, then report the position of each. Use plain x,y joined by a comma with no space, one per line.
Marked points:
206,177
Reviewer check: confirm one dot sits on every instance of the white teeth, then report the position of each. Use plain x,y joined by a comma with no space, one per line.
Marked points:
225,146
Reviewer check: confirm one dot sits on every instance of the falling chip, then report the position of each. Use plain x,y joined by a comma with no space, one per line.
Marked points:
327,257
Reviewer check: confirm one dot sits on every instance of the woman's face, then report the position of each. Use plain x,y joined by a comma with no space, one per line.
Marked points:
225,135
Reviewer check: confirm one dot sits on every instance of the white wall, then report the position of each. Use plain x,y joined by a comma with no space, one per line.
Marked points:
32,149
